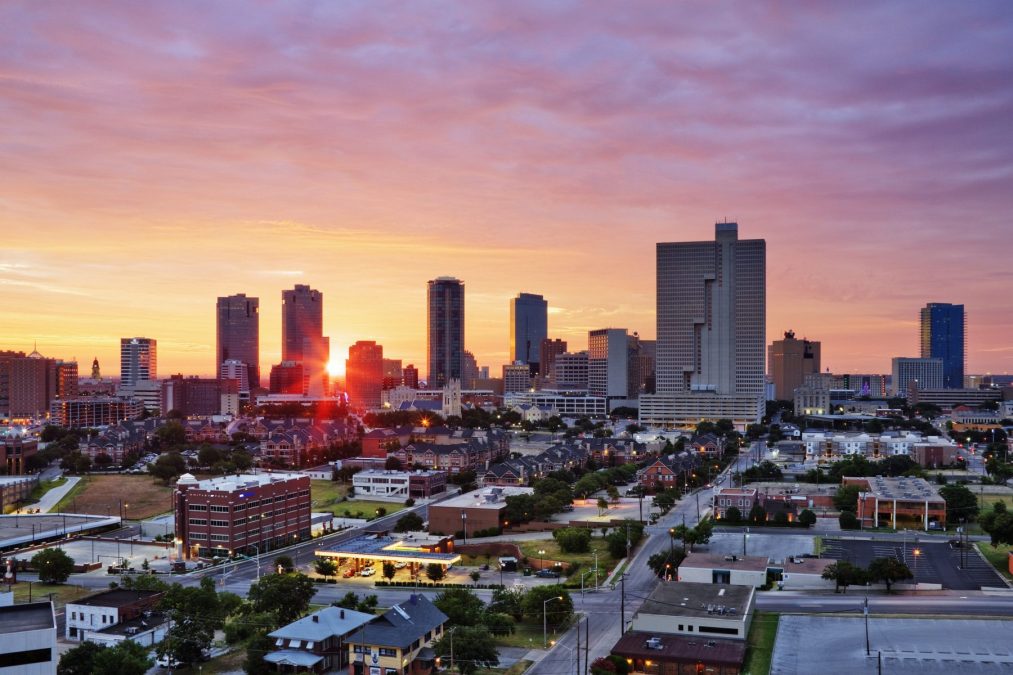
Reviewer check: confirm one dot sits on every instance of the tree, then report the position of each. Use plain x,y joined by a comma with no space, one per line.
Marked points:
961,504
498,623
259,645
844,574
846,498
757,514
209,455
461,605
348,601
665,561
284,562
195,616
848,521
603,505
473,649
126,658
557,612
80,659
807,518
53,565
392,463
998,523
168,466
888,570
325,567
389,570
409,522
508,601
103,461
170,435
434,572
781,519
287,595
733,515
573,539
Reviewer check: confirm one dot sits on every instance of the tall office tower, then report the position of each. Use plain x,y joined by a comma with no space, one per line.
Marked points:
922,373
943,337
645,365
238,334
410,376
302,338
529,325
469,370
287,378
711,313
32,385
391,373
570,371
607,363
6,357
234,369
516,377
547,353
790,360
138,361
640,365
445,334
66,379
364,374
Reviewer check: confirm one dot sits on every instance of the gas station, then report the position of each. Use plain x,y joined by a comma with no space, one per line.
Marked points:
414,551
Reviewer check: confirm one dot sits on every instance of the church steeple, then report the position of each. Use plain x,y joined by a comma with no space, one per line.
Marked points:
96,374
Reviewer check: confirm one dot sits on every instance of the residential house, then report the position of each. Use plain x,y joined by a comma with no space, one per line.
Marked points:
668,471
398,642
316,643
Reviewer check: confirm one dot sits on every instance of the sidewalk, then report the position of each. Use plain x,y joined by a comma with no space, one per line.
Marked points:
52,498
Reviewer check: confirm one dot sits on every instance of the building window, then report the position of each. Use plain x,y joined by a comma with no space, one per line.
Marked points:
219,523
198,521
386,651
198,507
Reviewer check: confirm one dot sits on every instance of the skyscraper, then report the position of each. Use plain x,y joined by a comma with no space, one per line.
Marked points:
607,363
922,373
942,337
711,313
547,353
364,374
790,360
445,335
528,327
302,339
138,361
238,334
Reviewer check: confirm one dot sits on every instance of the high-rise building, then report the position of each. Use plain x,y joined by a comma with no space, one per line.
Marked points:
640,365
410,376
302,339
943,337
516,377
570,371
391,373
138,361
469,372
32,385
607,363
547,353
445,334
790,360
191,396
66,379
711,313
238,334
287,378
529,325
233,369
6,357
364,374
646,357
923,373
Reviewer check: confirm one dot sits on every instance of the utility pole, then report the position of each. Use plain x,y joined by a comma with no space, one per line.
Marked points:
622,605
587,643
868,650
684,533
578,646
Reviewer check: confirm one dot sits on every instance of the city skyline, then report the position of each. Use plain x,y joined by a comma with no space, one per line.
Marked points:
516,148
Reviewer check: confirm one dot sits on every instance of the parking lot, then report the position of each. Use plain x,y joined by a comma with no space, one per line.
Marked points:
935,563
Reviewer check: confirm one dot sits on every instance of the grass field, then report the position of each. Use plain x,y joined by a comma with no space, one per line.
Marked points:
998,556
325,495
986,501
142,496
526,635
368,508
760,645
62,593
552,552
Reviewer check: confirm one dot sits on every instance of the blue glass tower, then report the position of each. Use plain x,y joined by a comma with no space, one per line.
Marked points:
943,327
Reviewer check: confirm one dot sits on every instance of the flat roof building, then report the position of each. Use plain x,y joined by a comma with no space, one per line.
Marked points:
28,639
474,511
885,500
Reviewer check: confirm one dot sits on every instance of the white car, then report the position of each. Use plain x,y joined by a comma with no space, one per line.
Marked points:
367,572
400,565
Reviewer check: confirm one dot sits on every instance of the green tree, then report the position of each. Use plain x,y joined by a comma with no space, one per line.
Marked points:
461,605
961,504
53,565
603,505
349,600
389,570
80,659
846,498
259,645
733,514
195,616
285,563
498,623
475,576
807,518
170,435
557,612
888,570
287,595
844,574
473,648
209,455
168,466
241,628
508,601
848,521
757,514
434,572
998,523
126,658
409,522
573,539
325,567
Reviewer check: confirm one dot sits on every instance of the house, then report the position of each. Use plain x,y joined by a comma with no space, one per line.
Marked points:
28,639
708,444
106,609
398,641
664,472
147,630
531,412
741,498
316,643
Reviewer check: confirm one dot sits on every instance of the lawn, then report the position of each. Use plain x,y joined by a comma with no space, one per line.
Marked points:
997,555
45,486
552,552
226,663
325,495
367,508
62,593
986,501
760,645
527,635
142,497
516,669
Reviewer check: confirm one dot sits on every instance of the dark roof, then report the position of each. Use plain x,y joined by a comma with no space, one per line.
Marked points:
119,597
26,617
683,649
403,624
686,598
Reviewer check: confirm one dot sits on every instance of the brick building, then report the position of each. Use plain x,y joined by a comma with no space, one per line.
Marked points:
474,511
248,513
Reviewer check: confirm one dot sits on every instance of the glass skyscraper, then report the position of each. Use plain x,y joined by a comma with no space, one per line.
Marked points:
529,325
239,334
943,330
445,334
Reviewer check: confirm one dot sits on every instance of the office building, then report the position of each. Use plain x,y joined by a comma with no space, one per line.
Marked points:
138,361
241,513
445,334
288,378
32,385
516,377
28,639
392,373
923,373
191,396
410,376
233,369
790,360
302,339
364,374
469,370
6,357
94,411
547,353
238,335
570,371
711,314
607,363
529,325
107,609
943,330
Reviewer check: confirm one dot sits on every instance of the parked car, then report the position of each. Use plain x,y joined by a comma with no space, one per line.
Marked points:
367,572
349,573
547,574
400,565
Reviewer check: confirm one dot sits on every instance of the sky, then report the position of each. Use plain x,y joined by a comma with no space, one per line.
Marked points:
154,156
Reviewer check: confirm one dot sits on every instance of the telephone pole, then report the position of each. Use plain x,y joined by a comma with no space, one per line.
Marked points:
622,604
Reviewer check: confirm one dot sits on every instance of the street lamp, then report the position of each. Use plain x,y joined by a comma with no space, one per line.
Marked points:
917,552
257,558
464,525
745,536
545,624
541,552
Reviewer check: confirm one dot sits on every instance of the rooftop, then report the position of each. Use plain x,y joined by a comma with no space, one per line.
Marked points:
239,482
807,565
404,623
377,547
692,599
119,597
678,648
139,625
485,498
899,488
725,562
27,616
320,625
